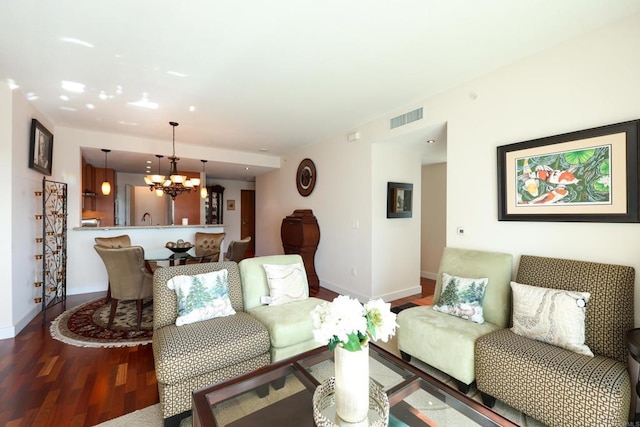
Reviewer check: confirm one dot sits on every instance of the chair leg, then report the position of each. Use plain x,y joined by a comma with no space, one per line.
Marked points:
139,304
405,356
488,400
462,387
112,313
108,293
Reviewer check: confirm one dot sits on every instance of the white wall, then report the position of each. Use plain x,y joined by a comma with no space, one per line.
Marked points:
19,226
433,233
584,83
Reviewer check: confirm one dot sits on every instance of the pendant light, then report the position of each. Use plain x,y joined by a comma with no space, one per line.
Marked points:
106,186
175,184
203,189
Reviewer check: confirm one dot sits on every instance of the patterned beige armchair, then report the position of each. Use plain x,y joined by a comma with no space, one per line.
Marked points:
203,353
552,384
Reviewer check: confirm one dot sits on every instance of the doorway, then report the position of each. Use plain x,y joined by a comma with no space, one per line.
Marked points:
248,219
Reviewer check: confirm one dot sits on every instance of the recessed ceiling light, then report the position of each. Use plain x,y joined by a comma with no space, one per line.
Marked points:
64,97
76,41
148,161
177,74
192,108
31,96
12,84
74,87
68,109
431,141
144,103
91,106
103,95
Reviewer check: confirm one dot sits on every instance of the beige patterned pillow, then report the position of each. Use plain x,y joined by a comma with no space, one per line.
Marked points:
550,315
202,296
286,282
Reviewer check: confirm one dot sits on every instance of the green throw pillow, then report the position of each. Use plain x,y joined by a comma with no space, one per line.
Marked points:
462,297
202,296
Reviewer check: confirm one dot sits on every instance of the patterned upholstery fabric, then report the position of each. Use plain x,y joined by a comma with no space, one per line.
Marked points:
200,354
554,385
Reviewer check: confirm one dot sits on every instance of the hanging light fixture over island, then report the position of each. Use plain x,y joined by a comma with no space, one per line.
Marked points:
175,184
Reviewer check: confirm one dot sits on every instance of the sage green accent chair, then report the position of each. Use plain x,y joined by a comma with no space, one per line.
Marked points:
554,385
289,325
447,342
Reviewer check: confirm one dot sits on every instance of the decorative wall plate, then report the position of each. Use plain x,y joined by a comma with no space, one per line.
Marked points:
306,177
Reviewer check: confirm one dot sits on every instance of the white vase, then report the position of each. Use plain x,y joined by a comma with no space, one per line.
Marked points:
352,383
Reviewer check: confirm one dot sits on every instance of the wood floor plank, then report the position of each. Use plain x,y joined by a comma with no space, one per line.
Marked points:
44,382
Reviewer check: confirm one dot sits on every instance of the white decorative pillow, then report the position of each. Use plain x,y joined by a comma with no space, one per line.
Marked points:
462,297
202,296
550,315
286,282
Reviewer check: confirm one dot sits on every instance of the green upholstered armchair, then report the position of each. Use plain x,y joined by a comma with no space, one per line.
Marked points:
289,325
447,342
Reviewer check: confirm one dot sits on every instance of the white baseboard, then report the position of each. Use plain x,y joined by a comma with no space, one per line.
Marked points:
364,298
429,275
12,331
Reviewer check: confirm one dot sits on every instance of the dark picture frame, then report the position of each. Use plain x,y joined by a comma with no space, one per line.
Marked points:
585,176
40,148
399,200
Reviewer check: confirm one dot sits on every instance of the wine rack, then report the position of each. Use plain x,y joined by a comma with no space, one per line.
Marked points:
53,241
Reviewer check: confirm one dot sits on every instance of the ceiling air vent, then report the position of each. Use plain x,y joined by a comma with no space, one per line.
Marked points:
405,118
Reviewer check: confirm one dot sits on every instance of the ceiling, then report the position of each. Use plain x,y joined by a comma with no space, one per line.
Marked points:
266,77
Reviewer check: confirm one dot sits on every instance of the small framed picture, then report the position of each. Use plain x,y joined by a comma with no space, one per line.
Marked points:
399,200
41,148
231,205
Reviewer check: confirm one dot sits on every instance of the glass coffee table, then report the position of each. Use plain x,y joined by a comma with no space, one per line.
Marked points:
281,394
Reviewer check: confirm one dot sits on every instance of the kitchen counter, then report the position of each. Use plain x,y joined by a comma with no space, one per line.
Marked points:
145,227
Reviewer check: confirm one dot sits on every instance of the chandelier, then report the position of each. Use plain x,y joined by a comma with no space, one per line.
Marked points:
176,184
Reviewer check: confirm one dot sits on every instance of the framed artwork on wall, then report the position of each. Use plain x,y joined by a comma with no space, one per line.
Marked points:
584,176
399,200
40,148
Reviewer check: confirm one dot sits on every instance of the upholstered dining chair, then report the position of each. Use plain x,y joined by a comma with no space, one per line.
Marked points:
122,241
237,249
208,246
128,277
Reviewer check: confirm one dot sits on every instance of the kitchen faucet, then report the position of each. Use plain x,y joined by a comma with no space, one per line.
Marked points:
144,218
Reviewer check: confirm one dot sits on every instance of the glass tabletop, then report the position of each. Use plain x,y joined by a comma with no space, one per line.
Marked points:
281,395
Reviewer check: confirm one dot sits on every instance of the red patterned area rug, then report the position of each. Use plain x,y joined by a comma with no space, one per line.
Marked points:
86,325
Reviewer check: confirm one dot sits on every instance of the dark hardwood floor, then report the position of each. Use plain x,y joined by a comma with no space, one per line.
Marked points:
44,382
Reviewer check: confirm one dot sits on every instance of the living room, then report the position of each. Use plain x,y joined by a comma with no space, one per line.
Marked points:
582,82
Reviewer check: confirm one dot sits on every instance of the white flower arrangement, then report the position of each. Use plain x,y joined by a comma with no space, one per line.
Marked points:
346,322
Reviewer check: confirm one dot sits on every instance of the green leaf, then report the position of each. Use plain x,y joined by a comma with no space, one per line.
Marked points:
579,156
